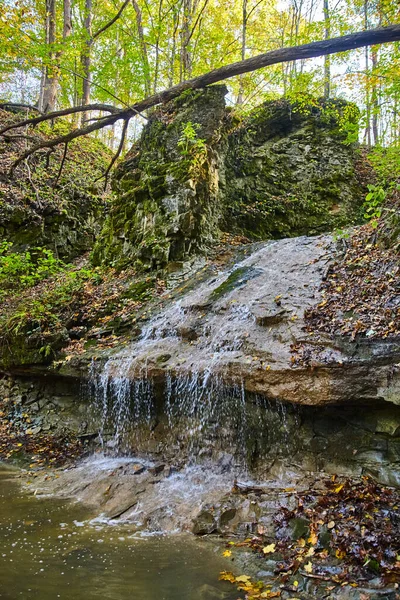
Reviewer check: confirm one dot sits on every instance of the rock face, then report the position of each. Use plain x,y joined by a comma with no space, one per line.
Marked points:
167,195
42,207
290,171
284,170
246,326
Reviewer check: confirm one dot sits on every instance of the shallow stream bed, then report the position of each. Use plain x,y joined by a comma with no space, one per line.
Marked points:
51,548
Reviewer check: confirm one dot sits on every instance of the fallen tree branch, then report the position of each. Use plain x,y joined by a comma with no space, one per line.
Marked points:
59,113
18,105
380,35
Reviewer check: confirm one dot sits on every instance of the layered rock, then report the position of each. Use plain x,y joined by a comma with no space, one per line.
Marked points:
247,326
283,170
45,207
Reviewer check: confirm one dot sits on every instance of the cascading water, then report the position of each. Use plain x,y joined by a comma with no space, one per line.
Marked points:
170,378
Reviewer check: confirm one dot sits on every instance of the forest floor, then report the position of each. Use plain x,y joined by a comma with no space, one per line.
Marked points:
339,539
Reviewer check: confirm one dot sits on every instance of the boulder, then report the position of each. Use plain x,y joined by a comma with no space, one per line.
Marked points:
284,170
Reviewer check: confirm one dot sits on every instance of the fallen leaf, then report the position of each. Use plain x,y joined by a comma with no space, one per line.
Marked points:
308,567
269,549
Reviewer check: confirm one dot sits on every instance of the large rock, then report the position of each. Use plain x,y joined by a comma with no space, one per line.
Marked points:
45,207
167,200
247,329
285,170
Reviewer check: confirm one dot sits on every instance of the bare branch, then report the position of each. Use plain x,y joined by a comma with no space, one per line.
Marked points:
18,105
107,25
117,154
61,165
59,113
64,139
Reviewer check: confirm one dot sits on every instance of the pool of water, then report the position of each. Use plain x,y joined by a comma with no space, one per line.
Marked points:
52,549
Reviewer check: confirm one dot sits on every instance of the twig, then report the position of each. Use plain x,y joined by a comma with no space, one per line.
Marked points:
61,165
116,155
32,184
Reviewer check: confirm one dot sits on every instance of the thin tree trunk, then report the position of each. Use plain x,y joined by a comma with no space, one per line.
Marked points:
367,135
186,57
143,47
50,85
86,58
327,62
375,96
243,52
171,77
67,24
157,52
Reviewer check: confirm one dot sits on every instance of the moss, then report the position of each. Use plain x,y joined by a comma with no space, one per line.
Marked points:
285,169
290,171
236,279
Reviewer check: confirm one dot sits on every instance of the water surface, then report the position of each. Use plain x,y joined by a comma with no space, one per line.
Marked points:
52,549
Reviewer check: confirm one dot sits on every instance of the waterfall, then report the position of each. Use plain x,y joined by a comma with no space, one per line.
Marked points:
170,378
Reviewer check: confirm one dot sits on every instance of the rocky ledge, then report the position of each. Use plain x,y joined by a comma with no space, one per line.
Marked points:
247,326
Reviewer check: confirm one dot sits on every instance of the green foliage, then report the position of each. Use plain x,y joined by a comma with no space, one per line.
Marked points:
340,234
19,270
41,314
373,204
193,148
386,163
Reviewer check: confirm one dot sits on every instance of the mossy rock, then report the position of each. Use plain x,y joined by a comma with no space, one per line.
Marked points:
286,169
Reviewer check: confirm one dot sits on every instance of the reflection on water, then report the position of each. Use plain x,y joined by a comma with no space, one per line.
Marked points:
49,550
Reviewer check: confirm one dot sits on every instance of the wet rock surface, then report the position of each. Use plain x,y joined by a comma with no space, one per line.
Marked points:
247,324
295,532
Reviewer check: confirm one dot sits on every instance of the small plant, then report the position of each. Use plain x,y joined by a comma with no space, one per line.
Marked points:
373,204
193,148
23,269
340,234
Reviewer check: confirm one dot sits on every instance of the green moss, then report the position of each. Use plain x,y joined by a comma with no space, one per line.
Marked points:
236,279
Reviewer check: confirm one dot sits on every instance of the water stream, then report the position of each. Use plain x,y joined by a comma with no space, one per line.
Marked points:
172,372
53,549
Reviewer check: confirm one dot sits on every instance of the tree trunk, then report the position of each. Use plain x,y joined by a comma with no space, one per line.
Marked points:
186,56
67,24
243,53
367,135
86,58
327,63
50,84
143,47
375,96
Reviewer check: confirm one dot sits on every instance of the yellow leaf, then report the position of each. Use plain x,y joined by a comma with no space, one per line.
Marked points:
308,567
243,579
227,576
338,488
331,524
313,539
269,549
227,553
340,553
301,542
